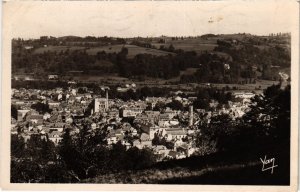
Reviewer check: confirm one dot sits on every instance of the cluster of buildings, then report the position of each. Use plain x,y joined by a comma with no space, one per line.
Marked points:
169,133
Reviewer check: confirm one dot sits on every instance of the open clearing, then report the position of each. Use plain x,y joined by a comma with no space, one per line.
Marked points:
198,45
133,50
114,79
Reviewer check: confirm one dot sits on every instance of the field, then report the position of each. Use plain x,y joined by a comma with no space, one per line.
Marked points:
114,79
198,45
188,71
57,49
132,50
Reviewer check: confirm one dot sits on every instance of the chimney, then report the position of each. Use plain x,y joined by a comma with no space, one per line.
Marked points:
191,116
106,104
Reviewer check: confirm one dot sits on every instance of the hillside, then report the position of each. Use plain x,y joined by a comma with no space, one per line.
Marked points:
248,57
133,50
212,169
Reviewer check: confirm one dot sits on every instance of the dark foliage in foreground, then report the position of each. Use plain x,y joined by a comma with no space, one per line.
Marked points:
80,156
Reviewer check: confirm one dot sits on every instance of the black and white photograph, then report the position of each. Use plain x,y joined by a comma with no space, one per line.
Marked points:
167,93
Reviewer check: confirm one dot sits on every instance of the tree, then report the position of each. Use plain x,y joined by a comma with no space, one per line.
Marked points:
71,157
14,112
156,140
41,108
264,126
124,51
26,171
31,163
269,115
17,146
139,158
201,104
171,48
175,105
159,106
117,157
40,149
205,144
217,134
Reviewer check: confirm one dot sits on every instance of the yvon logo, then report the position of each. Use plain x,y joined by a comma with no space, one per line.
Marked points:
268,164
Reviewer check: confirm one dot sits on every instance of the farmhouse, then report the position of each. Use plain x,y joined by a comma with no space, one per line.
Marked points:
52,77
243,95
132,112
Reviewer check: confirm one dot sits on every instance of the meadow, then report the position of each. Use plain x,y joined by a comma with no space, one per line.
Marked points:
196,44
133,50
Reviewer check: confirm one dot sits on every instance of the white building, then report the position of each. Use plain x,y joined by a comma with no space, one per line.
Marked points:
100,105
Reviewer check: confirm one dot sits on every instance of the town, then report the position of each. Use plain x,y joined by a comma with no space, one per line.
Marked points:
156,123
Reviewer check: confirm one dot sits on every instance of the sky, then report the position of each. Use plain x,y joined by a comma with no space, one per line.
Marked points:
148,18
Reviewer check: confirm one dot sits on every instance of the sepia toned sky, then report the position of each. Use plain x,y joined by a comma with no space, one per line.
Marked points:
148,18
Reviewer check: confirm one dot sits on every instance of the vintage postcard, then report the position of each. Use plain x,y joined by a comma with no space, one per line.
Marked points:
150,95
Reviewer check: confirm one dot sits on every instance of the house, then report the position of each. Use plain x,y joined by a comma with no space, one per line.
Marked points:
22,114
55,118
145,137
145,140
68,119
111,138
94,126
52,77
161,149
36,119
164,117
57,127
131,112
141,117
153,130
26,136
113,114
46,116
126,144
173,154
25,77
243,95
28,47
55,137
133,131
71,82
53,104
14,130
175,134
137,143
168,123
146,144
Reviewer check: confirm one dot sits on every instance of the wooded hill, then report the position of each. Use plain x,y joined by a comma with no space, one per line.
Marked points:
215,58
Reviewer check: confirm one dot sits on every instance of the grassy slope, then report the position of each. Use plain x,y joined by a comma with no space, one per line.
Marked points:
198,45
132,50
228,169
